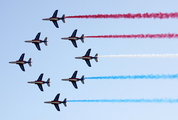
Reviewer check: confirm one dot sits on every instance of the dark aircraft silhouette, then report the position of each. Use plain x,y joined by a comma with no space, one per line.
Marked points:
20,62
73,38
87,57
73,79
54,18
39,82
56,103
37,41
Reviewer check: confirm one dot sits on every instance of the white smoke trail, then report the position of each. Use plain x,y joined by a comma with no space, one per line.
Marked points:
142,55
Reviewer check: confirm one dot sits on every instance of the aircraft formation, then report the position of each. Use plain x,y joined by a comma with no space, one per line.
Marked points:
39,82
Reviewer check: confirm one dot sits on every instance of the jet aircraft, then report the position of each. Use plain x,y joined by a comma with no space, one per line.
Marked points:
87,57
39,82
20,62
73,79
37,40
56,103
54,18
73,38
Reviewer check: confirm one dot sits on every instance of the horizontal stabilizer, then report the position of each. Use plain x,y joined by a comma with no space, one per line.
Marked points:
45,41
64,102
63,18
96,57
48,82
82,38
82,81
29,62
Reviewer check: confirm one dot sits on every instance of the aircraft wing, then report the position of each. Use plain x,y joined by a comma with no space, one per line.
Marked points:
55,23
40,77
74,84
57,97
74,43
75,74
55,13
88,63
74,33
38,36
40,86
21,57
88,52
37,46
57,107
22,67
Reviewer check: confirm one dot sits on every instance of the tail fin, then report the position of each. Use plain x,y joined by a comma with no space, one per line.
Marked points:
96,57
64,102
63,18
82,79
29,62
82,38
45,41
48,82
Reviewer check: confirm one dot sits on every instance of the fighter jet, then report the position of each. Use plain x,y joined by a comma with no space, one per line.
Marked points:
73,79
87,57
56,103
20,62
73,38
54,18
37,40
39,82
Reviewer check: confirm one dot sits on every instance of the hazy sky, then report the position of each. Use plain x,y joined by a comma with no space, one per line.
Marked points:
22,20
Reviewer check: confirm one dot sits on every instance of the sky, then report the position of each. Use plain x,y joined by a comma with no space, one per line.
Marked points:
22,20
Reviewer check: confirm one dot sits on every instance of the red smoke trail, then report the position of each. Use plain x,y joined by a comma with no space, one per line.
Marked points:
129,15
136,36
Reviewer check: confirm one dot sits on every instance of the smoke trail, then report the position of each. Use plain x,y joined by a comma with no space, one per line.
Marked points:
142,55
129,100
168,35
129,15
174,76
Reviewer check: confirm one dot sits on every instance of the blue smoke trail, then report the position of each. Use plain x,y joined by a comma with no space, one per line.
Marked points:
174,76
129,100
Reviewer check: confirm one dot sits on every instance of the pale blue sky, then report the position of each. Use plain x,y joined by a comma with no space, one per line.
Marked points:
22,20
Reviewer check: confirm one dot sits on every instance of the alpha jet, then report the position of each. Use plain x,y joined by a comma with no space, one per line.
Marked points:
39,82
73,38
37,41
73,79
20,62
87,57
56,103
54,18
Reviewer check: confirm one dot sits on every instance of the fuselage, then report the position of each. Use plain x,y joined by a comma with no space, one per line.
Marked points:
34,41
37,82
71,79
52,18
54,102
84,57
18,62
71,38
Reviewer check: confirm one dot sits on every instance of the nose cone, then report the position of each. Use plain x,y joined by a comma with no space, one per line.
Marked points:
45,19
12,62
47,102
30,82
64,38
28,41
